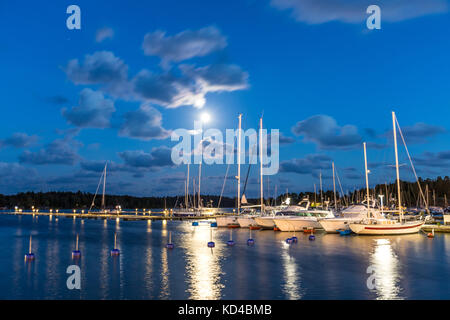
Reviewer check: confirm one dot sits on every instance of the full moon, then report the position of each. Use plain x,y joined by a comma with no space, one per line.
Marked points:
205,117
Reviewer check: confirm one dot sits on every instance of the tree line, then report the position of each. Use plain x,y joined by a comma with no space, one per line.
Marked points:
436,191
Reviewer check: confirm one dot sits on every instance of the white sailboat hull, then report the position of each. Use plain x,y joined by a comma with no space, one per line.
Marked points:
265,222
246,222
387,229
297,224
226,221
332,225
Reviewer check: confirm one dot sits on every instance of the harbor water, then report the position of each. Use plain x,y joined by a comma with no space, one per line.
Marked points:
331,267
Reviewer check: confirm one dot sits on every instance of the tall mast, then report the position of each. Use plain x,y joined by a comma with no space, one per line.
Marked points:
367,179
104,187
315,195
187,187
397,168
334,188
239,166
261,163
321,190
193,188
199,181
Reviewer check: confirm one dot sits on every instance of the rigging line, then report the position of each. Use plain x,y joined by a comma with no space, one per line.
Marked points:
412,165
95,195
223,186
340,186
248,173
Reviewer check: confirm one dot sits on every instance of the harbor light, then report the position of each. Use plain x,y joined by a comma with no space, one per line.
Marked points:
51,210
57,210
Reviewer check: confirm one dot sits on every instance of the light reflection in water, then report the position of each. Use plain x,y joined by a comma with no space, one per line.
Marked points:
203,268
165,289
292,282
387,270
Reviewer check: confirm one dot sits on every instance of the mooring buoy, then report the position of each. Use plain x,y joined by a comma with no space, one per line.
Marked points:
195,224
211,243
170,245
30,255
230,242
289,240
115,252
250,240
76,254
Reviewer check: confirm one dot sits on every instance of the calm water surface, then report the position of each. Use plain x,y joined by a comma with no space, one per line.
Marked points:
331,267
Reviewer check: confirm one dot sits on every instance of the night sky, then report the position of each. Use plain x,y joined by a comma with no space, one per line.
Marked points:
137,70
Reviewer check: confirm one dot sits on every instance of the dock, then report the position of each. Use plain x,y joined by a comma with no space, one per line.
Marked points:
437,228
126,216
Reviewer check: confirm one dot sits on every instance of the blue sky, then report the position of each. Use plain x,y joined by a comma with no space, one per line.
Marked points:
114,90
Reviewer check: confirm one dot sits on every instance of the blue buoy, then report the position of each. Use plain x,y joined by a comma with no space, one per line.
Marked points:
294,239
230,243
214,224
115,252
170,245
312,237
250,242
29,256
76,254
211,243
195,224
289,240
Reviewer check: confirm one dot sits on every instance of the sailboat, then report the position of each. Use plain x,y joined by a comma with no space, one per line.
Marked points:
248,220
374,225
103,209
188,210
231,220
353,213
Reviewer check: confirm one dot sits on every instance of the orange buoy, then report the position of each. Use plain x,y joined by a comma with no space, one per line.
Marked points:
308,230
276,229
431,234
